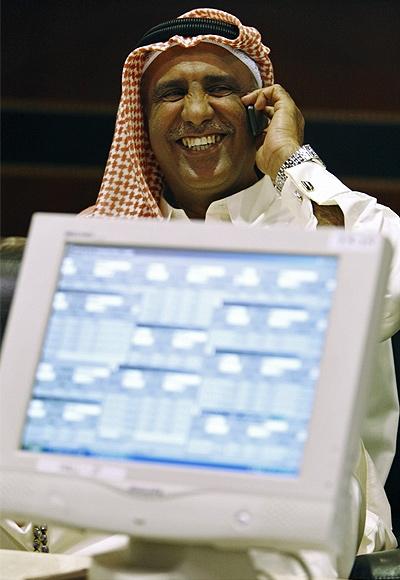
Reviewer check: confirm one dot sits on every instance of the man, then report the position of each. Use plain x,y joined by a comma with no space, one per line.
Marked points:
183,150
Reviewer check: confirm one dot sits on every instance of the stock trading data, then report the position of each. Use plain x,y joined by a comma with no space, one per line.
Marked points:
193,358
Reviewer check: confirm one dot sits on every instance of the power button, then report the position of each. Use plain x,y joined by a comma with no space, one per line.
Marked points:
242,517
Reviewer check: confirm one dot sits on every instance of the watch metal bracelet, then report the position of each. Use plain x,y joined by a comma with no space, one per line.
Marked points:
304,153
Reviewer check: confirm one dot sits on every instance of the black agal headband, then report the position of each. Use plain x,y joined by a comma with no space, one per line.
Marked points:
188,27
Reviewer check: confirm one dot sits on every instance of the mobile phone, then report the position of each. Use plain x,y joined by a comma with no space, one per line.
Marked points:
256,119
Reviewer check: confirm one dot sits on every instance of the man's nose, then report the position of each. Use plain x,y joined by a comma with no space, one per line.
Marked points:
196,108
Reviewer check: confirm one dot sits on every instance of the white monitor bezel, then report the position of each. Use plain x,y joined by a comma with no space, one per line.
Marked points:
363,266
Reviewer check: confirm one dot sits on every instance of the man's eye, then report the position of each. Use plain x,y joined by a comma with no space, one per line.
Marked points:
173,95
220,90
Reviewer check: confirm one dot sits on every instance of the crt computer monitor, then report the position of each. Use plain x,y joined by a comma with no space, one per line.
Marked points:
187,382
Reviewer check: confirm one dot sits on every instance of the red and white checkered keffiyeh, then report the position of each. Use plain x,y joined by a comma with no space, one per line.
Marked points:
133,183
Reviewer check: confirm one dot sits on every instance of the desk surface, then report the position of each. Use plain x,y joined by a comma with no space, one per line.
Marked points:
16,565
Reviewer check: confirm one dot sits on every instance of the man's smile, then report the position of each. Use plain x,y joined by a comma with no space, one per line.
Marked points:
201,143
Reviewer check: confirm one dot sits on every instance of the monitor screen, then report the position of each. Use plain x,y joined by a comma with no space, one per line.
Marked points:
190,358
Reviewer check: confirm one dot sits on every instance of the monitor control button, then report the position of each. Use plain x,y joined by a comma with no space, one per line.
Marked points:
243,517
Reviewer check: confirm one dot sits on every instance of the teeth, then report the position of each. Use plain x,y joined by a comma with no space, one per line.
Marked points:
199,143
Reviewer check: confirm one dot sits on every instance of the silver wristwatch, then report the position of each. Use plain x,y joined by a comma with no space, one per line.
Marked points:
305,153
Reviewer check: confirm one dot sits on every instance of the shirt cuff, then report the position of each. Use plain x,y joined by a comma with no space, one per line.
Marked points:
312,180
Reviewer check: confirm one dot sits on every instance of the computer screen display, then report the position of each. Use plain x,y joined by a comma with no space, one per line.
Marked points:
189,358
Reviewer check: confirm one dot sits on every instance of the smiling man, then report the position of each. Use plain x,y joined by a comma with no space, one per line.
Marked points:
183,148
194,101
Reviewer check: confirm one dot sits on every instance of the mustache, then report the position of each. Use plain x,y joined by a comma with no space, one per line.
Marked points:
206,127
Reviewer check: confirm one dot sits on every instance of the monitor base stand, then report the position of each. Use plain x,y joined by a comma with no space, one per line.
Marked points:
160,561
149,560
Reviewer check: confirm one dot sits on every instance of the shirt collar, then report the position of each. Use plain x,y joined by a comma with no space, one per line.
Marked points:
250,205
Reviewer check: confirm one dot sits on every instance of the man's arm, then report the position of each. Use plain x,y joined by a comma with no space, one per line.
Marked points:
283,136
281,139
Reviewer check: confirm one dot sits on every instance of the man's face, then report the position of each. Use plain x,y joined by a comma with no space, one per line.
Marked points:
197,124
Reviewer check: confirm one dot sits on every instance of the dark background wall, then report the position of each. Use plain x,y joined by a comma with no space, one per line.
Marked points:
62,62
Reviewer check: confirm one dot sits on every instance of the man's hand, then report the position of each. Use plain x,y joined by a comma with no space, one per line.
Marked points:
284,134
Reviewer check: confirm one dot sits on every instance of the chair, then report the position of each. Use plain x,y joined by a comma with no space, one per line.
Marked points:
11,251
